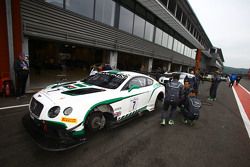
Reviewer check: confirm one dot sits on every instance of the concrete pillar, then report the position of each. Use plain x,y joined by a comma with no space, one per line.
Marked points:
113,59
25,46
169,67
180,68
10,39
150,64
188,69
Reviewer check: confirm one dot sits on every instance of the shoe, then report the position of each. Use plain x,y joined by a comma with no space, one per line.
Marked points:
163,122
185,121
171,122
191,123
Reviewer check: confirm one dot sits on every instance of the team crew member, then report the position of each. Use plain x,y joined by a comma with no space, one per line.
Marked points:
197,79
22,71
214,85
191,107
172,98
186,91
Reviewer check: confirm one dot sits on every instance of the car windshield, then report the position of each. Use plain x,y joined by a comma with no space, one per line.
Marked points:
183,76
106,80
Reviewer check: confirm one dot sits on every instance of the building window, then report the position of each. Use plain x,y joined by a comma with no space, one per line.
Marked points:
84,8
139,25
175,46
149,32
170,42
126,20
158,36
58,3
179,13
164,40
182,48
172,6
105,11
184,19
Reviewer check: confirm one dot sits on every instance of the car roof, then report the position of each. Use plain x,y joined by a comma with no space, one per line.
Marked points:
177,72
127,73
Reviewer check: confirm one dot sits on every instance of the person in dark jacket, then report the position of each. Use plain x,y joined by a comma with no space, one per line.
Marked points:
214,85
192,107
238,79
22,71
185,93
172,98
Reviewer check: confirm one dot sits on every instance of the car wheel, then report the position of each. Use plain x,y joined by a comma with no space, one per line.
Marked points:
157,104
95,121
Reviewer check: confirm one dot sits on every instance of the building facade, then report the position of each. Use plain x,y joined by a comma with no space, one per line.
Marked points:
69,36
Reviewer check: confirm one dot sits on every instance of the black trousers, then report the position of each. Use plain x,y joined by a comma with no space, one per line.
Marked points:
231,83
164,112
213,91
21,84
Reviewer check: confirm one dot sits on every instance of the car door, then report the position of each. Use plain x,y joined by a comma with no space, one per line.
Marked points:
137,95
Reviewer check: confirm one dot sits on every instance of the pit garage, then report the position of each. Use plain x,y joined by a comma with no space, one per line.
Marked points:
52,61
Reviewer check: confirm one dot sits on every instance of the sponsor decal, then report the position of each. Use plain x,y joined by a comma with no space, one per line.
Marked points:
69,120
118,108
117,114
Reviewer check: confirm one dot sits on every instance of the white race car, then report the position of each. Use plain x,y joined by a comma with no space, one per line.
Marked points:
166,77
68,110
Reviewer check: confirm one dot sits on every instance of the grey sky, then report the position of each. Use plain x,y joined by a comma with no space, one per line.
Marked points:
227,25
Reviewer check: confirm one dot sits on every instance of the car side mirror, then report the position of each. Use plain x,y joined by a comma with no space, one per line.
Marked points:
133,87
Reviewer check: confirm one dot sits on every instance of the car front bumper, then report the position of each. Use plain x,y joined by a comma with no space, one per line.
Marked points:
51,137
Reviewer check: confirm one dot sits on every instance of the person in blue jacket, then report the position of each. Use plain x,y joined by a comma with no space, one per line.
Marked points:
232,78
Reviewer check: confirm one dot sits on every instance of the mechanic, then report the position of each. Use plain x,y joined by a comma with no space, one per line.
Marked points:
186,91
192,107
197,79
22,71
173,96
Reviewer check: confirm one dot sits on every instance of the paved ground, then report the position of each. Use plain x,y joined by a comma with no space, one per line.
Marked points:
245,83
218,139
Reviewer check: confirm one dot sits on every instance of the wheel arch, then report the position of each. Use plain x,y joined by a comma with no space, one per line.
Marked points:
106,109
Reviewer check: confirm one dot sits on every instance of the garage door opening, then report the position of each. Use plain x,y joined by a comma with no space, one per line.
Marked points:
52,62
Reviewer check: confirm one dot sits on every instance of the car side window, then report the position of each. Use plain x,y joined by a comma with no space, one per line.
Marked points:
149,82
139,81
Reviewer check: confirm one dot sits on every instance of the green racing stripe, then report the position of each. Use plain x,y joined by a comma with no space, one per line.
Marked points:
110,101
156,86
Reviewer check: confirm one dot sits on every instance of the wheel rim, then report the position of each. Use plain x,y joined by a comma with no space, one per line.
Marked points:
95,123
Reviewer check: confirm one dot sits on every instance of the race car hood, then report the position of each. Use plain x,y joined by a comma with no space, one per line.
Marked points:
81,97
64,90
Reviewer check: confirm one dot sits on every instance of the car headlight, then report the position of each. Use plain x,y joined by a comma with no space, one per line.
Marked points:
68,111
54,111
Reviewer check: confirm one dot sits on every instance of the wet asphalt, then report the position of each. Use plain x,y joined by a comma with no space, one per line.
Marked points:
218,138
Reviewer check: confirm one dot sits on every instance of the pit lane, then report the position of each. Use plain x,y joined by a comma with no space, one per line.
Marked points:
219,138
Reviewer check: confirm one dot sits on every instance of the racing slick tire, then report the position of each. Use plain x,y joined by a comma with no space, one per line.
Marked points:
158,101
95,121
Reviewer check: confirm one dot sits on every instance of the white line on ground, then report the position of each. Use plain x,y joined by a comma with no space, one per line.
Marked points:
10,107
244,89
242,112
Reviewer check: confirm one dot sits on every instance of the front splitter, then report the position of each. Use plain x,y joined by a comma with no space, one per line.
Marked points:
47,142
